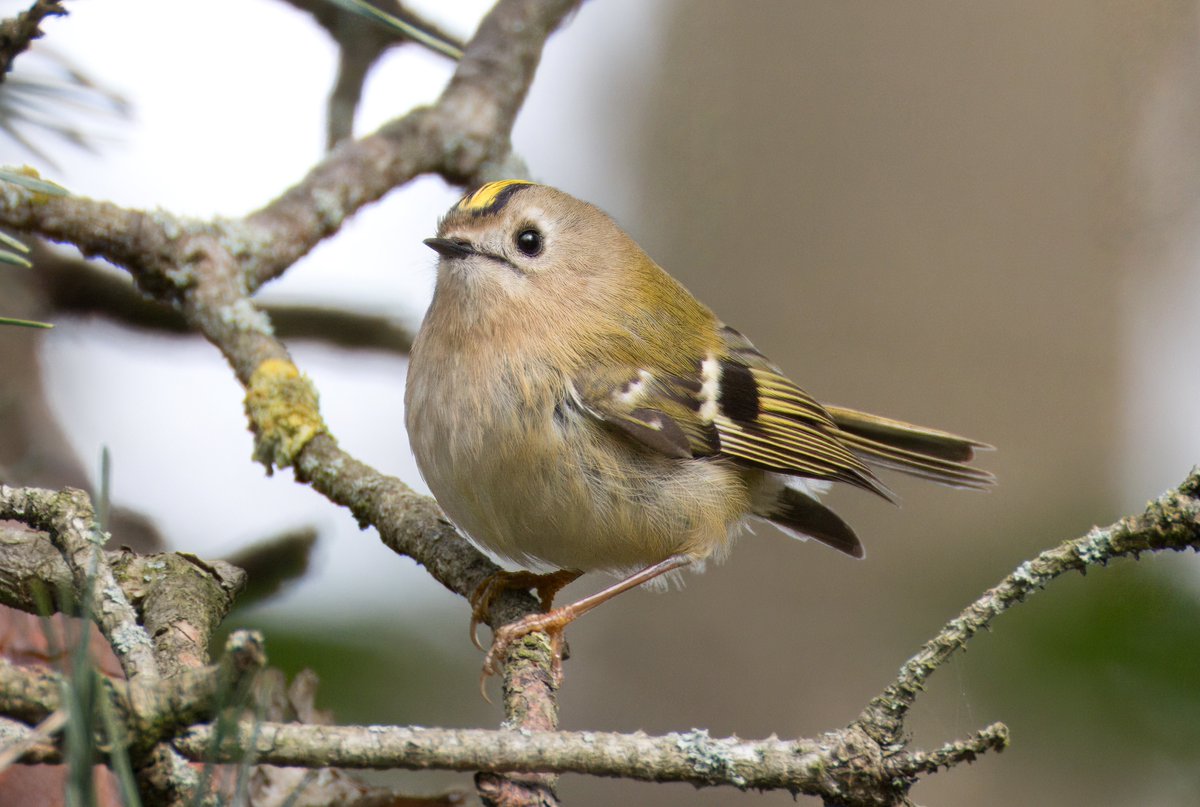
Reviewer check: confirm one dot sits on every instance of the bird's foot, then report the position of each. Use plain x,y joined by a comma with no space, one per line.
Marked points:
546,586
552,623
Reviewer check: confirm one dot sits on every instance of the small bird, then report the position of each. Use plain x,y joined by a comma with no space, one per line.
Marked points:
574,408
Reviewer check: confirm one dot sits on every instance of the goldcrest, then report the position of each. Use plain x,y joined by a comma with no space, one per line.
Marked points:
573,407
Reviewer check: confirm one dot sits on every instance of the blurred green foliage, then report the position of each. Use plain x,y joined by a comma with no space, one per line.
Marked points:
1102,675
1119,653
370,671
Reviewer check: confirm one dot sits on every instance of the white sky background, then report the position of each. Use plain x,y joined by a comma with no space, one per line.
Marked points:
229,103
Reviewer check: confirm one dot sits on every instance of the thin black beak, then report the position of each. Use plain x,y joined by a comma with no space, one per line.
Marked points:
448,248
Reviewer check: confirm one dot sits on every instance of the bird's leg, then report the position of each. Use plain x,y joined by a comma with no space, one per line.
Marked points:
546,586
553,622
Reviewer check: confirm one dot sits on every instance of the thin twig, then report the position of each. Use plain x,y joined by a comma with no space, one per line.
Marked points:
1170,522
41,734
17,33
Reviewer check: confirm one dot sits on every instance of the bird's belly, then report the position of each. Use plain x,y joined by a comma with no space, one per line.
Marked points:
566,492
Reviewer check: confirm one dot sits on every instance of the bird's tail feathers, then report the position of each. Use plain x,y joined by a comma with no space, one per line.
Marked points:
801,516
915,450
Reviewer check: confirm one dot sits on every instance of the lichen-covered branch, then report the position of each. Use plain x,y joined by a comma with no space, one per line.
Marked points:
68,517
909,765
151,710
181,599
686,757
28,694
24,742
844,766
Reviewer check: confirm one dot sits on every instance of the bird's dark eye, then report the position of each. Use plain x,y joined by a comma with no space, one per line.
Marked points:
529,242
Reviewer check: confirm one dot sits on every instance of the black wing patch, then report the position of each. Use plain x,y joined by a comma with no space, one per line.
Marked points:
765,420
737,395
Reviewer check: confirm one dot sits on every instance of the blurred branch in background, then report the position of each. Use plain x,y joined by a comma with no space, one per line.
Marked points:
273,562
364,31
18,32
72,286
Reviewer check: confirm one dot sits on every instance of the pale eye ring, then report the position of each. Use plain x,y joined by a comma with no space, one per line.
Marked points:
530,242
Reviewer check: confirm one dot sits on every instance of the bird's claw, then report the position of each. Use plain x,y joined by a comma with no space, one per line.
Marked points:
553,624
546,586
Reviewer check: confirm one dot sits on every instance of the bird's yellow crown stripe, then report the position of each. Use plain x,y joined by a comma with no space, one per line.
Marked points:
487,196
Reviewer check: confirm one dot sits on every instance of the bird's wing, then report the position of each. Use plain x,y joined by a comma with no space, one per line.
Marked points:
730,403
645,407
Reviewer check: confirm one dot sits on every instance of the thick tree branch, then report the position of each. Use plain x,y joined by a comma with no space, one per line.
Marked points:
68,517
22,742
843,766
692,757
151,710
181,598
29,694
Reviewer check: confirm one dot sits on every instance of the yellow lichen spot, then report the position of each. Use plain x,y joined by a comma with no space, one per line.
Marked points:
282,406
485,197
